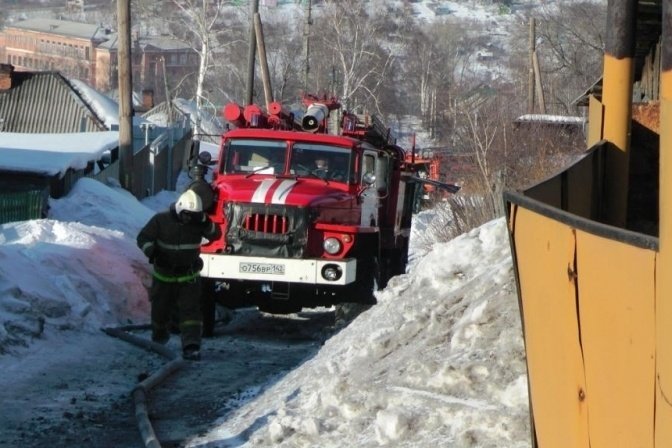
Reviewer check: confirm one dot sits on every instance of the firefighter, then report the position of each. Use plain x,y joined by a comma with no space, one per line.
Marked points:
172,241
322,169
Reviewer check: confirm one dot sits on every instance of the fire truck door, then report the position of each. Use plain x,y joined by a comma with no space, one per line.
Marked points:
370,195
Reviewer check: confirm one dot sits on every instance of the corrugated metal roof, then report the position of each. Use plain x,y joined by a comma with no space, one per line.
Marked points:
45,102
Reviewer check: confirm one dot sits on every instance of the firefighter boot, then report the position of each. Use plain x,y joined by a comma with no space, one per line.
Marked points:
191,353
160,336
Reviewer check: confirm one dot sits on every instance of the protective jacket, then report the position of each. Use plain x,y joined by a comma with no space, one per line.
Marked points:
173,246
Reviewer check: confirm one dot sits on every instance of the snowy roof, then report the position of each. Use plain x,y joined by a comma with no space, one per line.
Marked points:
52,154
210,124
163,43
63,27
551,119
106,108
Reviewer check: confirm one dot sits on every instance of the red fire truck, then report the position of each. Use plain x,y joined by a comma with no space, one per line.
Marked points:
426,165
308,218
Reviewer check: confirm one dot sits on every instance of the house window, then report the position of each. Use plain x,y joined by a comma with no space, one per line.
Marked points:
183,59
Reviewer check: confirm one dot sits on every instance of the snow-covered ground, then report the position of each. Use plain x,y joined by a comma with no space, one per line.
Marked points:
439,361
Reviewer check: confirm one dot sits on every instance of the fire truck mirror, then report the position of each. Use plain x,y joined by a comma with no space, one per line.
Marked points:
369,178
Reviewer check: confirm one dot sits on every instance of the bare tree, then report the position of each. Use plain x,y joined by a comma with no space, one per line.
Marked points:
483,130
439,56
350,37
201,24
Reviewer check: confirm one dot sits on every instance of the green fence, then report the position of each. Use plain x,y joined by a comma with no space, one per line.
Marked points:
23,205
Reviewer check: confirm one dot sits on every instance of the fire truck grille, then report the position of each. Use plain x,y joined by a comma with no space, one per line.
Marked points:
257,222
266,230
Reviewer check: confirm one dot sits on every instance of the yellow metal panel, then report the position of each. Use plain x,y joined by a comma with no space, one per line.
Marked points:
545,254
664,273
617,316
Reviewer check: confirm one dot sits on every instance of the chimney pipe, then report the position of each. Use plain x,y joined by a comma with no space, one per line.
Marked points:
147,99
6,71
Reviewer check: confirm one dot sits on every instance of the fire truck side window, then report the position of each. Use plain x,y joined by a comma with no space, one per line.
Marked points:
368,164
262,156
382,174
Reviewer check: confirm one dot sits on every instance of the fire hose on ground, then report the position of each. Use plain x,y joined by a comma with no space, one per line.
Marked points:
141,390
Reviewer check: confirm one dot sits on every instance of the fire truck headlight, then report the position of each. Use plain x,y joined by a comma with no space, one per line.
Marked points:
331,246
331,272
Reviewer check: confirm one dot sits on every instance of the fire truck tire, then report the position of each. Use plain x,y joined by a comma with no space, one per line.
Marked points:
279,307
397,263
367,269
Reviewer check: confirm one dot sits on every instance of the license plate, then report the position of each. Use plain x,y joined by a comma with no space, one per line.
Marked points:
261,268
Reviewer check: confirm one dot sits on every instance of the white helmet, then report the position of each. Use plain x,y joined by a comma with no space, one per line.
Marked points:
188,201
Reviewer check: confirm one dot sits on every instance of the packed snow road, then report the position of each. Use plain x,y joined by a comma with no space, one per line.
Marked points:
85,401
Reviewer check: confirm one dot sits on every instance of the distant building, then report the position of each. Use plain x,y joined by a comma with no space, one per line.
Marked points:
90,53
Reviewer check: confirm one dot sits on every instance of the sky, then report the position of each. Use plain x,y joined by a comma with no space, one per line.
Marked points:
439,361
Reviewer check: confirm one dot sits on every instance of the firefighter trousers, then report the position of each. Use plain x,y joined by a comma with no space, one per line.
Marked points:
166,297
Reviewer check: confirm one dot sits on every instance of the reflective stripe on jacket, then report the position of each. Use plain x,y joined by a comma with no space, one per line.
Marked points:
176,279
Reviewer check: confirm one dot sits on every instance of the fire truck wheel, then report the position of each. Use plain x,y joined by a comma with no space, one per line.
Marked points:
279,307
397,264
367,269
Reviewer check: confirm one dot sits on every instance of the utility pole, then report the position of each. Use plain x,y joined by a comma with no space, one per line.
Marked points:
306,44
263,62
530,76
254,9
125,95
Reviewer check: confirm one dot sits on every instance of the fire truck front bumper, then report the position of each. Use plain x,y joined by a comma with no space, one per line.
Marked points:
310,271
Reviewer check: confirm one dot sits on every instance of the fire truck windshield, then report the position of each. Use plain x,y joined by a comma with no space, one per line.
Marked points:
255,156
324,161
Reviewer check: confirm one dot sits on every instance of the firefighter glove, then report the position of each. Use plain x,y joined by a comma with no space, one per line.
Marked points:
150,252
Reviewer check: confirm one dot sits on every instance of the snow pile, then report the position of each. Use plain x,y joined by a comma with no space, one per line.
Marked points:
79,270
438,362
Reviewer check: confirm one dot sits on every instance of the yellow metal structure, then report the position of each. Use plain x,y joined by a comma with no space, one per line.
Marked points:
664,273
595,289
